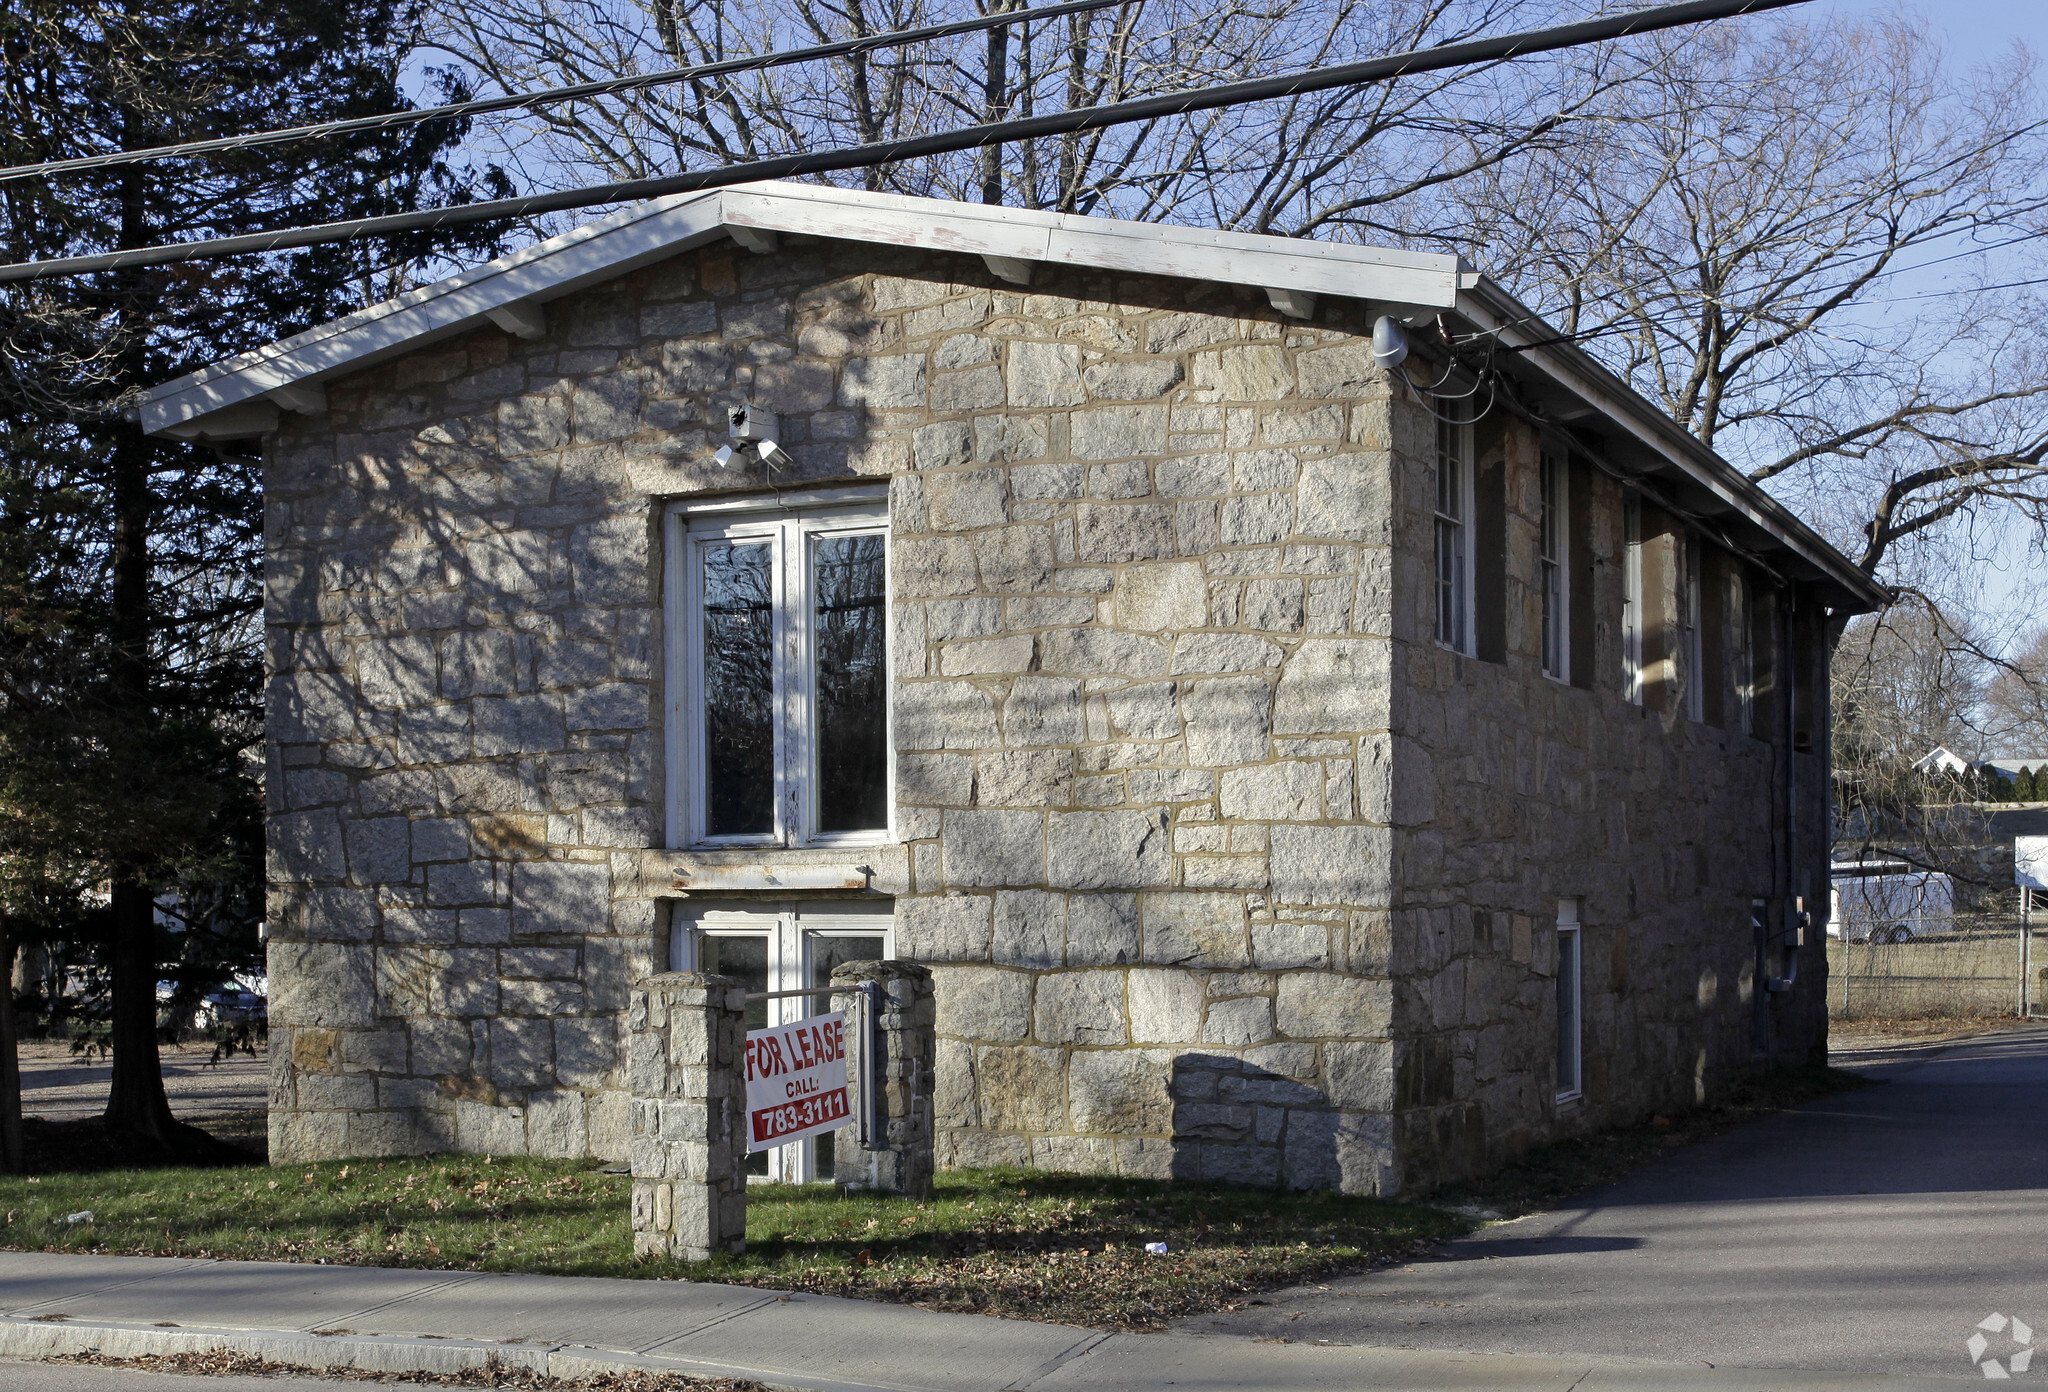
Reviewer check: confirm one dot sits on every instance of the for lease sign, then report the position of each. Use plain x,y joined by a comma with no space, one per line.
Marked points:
796,1081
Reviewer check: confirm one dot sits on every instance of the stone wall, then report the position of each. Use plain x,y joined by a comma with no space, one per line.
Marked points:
1514,791
1157,569
1141,592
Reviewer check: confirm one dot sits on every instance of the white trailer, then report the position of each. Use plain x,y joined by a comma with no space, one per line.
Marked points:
1890,902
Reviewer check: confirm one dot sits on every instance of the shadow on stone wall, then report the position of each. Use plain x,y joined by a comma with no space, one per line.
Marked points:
1237,1123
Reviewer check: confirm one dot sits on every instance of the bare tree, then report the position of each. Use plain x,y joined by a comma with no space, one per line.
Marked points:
1729,231
1319,163
2017,700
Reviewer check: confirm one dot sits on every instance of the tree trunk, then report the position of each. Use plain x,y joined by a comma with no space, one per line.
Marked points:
11,1158
136,1105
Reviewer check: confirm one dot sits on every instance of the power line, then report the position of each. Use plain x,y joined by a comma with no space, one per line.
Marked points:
550,95
939,143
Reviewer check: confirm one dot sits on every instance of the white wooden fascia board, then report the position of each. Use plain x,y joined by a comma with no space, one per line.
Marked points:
976,232
463,303
1318,268
1570,369
1375,273
362,318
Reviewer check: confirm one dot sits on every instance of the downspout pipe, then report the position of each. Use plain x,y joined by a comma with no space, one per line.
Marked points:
1792,920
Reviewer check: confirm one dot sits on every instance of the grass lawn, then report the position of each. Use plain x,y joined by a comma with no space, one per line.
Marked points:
1000,1242
1019,1243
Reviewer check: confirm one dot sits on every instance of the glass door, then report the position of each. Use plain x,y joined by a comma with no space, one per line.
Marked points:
781,946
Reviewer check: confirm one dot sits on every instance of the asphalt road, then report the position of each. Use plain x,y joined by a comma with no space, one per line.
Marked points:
1869,1231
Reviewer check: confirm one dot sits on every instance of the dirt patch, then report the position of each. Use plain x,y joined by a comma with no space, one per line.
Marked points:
221,1363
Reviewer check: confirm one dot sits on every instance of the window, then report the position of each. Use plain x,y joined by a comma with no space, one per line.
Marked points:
1453,533
1744,650
1551,573
781,947
1569,996
1632,599
779,707
1690,648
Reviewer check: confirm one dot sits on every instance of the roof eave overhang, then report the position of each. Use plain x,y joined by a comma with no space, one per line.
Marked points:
1571,370
240,396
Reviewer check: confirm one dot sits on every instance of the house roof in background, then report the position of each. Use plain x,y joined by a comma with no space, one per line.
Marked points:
242,396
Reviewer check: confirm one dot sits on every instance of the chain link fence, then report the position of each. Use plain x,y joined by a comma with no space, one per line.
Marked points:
1976,971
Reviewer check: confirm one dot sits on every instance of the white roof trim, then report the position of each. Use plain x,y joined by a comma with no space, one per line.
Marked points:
187,407
242,396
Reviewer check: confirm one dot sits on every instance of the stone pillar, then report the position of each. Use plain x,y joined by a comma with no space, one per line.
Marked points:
898,1159
686,1037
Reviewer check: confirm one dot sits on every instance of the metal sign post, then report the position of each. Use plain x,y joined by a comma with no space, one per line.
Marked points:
2030,873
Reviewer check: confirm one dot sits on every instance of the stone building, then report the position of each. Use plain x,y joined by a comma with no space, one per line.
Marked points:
1294,770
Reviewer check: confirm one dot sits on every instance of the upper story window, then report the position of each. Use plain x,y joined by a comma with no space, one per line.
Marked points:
1744,649
778,675
1632,600
1691,650
1552,577
1454,532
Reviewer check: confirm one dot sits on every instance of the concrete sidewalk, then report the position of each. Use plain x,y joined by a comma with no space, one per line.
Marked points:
395,1320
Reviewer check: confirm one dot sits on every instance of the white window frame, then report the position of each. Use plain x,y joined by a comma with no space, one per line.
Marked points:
1571,998
1553,571
1744,648
792,929
790,524
1453,449
1691,647
1632,599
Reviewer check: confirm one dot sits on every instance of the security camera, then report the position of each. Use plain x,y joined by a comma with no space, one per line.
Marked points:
755,429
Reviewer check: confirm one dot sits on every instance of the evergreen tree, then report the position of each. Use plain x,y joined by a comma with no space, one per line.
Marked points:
2026,785
130,567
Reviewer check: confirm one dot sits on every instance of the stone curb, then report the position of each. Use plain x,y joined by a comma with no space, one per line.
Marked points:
374,1353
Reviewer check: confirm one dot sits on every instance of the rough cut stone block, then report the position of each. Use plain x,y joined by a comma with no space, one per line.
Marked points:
1165,1005
1113,533
1289,791
1045,374
988,1004
1202,928
1332,865
944,715
1030,927
560,896
1334,686
1324,1005
1162,598
307,846
1117,432
994,848
321,984
1120,1092
890,383
1081,1007
1102,929
1134,379
949,928
1228,720
1107,850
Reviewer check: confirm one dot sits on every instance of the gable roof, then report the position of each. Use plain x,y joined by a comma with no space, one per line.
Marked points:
242,396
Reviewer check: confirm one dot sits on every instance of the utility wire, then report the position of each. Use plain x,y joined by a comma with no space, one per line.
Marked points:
549,95
939,143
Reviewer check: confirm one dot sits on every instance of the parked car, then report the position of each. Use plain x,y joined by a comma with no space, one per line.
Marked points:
1889,902
238,1007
